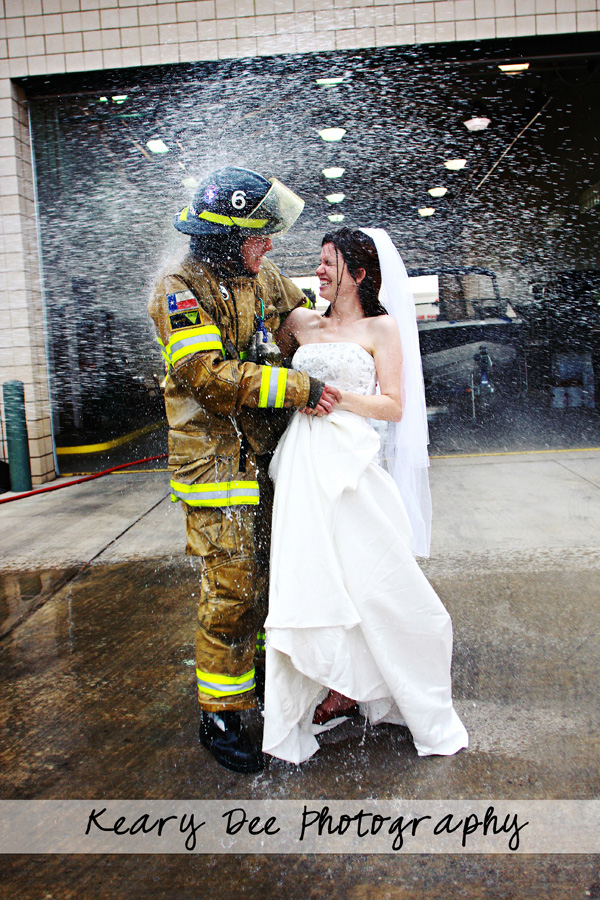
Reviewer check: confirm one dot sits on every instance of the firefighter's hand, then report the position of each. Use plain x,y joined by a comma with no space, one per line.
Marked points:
327,402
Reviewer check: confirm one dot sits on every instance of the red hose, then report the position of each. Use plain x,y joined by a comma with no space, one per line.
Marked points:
56,487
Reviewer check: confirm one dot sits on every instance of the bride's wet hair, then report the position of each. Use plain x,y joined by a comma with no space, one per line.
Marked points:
359,252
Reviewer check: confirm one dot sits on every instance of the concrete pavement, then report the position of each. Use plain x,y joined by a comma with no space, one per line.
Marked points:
515,503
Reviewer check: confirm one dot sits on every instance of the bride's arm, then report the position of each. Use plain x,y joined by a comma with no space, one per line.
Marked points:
288,336
285,337
387,353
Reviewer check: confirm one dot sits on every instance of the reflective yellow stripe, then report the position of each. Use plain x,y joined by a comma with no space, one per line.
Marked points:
224,685
233,220
184,214
214,678
249,223
215,217
265,381
281,385
273,383
216,493
186,341
163,350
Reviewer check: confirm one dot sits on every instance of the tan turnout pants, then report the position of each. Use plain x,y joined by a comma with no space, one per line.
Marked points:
233,543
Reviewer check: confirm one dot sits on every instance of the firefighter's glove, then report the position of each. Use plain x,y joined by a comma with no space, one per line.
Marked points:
326,403
316,389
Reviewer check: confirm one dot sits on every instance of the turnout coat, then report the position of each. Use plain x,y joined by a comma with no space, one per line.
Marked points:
222,409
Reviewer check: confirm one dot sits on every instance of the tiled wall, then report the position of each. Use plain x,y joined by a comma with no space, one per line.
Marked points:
22,344
39,37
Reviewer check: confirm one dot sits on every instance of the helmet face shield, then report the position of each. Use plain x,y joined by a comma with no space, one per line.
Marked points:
234,199
280,207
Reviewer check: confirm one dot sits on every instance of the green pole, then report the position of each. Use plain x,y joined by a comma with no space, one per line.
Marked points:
16,436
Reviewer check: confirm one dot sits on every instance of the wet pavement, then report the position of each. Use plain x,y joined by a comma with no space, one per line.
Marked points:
97,601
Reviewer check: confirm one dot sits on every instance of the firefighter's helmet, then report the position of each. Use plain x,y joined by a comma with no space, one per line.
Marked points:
233,200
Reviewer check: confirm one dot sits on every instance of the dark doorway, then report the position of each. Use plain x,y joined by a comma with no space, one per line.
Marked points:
523,206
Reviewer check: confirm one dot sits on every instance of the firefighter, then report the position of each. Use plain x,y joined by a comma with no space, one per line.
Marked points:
226,399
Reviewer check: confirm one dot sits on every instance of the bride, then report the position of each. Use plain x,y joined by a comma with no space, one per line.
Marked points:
353,624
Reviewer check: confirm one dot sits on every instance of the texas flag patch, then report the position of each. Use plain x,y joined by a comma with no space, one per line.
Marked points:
181,300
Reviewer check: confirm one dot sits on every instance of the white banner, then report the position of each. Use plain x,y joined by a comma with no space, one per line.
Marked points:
300,826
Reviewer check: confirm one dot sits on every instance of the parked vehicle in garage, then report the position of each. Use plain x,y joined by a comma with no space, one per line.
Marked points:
474,332
561,347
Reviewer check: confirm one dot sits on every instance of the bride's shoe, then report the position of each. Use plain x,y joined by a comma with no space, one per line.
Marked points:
335,706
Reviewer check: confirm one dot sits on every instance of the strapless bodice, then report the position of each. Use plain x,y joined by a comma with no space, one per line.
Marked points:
342,364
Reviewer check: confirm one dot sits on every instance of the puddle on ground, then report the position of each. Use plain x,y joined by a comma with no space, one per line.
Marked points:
20,592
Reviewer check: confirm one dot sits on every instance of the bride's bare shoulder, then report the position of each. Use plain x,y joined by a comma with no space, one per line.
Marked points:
303,317
297,323
383,328
302,320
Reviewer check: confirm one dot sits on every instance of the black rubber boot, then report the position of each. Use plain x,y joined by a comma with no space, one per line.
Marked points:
224,735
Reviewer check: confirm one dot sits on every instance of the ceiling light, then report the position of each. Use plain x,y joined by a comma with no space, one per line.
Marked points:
478,117
103,99
336,217
511,68
332,134
437,192
333,173
426,211
329,81
477,123
335,198
119,98
455,165
157,145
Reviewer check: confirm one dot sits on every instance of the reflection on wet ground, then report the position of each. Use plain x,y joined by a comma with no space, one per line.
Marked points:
22,592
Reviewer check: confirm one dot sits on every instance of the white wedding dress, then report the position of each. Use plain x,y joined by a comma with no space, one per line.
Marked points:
349,607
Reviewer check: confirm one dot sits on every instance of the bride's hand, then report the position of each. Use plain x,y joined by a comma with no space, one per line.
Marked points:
328,400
